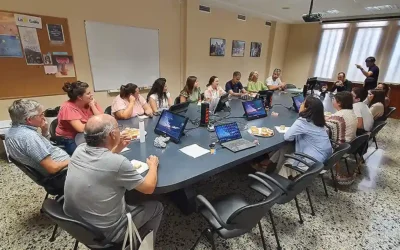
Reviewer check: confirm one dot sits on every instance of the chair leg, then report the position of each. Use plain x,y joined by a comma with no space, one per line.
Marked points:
211,238
309,200
376,144
298,210
358,163
347,166
274,228
323,182
198,239
76,245
53,236
334,180
262,235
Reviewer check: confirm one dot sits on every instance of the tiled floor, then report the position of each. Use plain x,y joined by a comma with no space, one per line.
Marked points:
363,216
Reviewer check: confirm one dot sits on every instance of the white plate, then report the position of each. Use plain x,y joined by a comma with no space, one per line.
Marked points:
143,168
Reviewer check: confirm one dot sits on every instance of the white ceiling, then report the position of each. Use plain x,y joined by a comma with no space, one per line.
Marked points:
272,9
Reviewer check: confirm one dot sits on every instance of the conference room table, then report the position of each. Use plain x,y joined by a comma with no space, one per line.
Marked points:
177,172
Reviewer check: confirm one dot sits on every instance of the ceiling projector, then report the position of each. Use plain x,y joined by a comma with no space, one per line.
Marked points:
312,17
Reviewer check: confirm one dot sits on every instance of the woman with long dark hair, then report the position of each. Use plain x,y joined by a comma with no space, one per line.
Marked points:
159,98
376,102
213,90
191,92
386,89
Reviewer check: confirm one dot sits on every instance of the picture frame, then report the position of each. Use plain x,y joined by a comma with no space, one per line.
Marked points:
238,48
217,46
255,49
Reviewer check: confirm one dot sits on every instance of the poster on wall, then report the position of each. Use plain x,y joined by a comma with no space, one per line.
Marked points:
47,59
255,49
217,47
65,66
238,48
31,46
10,43
56,33
28,21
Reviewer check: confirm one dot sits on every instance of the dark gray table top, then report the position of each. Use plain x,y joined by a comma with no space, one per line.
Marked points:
178,170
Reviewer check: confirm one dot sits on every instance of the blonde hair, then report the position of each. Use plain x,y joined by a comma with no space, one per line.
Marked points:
251,75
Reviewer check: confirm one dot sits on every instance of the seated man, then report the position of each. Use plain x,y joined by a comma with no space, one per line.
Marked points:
26,145
274,82
365,120
98,177
234,87
342,84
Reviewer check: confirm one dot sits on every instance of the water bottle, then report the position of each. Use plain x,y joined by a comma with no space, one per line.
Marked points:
142,131
328,106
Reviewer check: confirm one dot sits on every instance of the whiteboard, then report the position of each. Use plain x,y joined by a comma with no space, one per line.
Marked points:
122,54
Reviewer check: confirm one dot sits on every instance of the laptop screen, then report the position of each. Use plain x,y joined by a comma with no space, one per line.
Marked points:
297,101
171,125
254,108
228,132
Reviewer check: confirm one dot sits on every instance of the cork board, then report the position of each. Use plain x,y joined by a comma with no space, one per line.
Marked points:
19,80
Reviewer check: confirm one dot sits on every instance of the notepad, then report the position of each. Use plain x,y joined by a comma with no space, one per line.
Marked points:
194,150
143,166
280,130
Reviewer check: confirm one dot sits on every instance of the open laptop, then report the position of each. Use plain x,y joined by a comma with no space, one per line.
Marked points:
254,109
297,101
180,108
230,137
222,103
171,125
266,96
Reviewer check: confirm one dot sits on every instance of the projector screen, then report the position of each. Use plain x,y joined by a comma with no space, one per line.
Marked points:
122,54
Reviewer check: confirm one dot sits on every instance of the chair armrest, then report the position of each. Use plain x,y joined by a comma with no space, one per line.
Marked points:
212,210
124,222
298,159
60,199
261,181
296,168
306,156
269,178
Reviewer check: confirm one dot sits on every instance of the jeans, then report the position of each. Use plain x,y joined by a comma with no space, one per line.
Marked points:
69,145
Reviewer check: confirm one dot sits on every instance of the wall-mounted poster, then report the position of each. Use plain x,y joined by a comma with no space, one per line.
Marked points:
30,43
47,59
28,21
56,33
10,43
238,48
65,66
217,47
255,49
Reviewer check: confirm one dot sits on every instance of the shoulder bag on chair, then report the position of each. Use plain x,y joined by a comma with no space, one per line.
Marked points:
146,244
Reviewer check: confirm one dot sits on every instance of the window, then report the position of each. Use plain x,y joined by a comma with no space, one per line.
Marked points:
393,73
331,41
366,43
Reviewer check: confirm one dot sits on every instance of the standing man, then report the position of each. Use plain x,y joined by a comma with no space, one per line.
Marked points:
371,80
234,87
342,84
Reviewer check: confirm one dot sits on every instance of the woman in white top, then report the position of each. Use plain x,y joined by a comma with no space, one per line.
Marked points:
213,91
159,98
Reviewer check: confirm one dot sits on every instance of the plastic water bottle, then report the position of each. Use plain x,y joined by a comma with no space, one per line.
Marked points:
328,106
142,131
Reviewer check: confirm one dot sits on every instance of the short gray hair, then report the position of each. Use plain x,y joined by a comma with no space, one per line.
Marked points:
96,135
22,109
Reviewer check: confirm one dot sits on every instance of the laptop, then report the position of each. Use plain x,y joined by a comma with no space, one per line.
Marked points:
230,137
221,103
171,125
254,109
297,101
266,96
180,108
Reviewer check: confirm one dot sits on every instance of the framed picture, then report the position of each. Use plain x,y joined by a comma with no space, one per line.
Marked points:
217,47
238,48
255,49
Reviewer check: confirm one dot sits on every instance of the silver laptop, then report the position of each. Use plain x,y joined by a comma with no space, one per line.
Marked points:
230,137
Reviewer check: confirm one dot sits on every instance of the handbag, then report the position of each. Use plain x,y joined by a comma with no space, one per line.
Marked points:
147,243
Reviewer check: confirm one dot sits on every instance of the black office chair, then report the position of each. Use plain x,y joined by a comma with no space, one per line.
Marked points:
108,110
375,130
232,216
390,111
83,232
53,184
52,112
291,188
339,151
177,100
202,97
357,146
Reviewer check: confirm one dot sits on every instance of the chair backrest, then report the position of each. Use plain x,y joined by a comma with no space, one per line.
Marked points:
83,232
338,153
52,112
177,100
377,127
35,175
357,142
108,110
390,111
52,128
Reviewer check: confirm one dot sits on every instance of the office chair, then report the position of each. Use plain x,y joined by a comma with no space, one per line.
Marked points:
108,110
81,231
339,152
55,139
357,146
291,188
389,112
177,100
231,215
375,130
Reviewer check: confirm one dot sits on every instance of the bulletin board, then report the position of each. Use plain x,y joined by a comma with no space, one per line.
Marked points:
20,80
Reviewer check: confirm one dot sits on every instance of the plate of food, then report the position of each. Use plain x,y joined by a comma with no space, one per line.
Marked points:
133,133
262,132
139,166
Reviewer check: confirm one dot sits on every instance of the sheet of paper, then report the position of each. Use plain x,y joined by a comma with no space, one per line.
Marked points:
124,150
280,130
194,150
143,116
143,166
50,69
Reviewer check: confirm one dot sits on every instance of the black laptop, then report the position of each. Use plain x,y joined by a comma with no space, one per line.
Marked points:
254,109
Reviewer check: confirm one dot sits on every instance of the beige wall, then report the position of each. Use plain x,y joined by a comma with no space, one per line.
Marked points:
222,24
278,49
302,48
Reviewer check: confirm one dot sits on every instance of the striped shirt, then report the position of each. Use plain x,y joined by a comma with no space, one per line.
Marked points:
27,146
342,126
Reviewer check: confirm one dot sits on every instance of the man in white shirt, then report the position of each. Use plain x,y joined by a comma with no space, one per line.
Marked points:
274,82
365,120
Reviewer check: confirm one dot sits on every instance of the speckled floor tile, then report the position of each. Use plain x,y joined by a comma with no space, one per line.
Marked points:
363,216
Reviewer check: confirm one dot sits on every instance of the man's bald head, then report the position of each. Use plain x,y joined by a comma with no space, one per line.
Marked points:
98,128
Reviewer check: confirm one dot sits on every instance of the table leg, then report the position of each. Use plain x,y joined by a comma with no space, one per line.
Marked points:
185,200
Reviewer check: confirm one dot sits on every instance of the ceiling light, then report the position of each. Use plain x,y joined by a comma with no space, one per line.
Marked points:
382,7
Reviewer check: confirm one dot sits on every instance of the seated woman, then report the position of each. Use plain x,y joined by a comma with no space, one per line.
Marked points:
75,112
129,103
309,136
386,89
342,127
254,85
213,90
159,98
375,102
191,92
